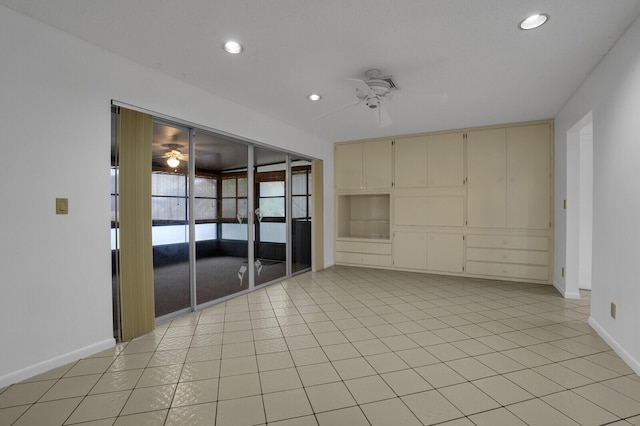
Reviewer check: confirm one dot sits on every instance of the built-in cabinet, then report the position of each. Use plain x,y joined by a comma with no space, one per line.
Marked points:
433,251
366,165
475,202
429,161
509,178
364,229
509,256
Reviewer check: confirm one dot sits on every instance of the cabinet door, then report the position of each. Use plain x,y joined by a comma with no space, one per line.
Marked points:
429,211
486,172
445,160
410,250
411,162
349,166
445,252
529,177
376,164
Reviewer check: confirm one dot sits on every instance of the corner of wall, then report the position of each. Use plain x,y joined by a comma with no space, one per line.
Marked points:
59,361
633,363
566,294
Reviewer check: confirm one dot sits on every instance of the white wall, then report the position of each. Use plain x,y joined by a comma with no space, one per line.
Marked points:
55,94
612,93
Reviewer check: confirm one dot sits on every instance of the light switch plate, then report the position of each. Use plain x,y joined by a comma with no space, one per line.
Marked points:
62,206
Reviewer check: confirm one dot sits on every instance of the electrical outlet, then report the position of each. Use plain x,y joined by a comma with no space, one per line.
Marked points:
613,310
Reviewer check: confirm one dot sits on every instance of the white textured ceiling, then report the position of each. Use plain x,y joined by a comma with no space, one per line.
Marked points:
472,50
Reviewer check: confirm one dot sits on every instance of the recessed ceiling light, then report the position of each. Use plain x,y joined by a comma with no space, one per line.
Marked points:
314,97
533,21
232,47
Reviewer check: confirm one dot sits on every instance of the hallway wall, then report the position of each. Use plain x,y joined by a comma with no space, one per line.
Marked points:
612,93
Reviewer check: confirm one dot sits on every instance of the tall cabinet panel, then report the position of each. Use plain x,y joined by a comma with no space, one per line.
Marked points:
529,177
486,173
411,162
349,162
445,165
376,164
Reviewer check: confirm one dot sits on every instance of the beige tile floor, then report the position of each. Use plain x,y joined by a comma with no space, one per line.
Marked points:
351,346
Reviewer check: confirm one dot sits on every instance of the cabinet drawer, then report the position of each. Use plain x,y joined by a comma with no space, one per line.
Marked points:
531,272
363,258
360,247
508,242
528,257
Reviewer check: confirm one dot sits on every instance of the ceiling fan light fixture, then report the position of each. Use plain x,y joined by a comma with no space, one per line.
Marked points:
173,162
232,47
533,21
314,97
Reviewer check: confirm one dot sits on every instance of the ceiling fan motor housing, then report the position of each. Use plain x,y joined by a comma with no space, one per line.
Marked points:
373,102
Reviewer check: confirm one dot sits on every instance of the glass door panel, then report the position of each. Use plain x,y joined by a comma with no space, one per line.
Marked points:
270,244
220,217
170,218
300,215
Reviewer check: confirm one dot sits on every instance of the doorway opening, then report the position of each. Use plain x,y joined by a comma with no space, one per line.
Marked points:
579,252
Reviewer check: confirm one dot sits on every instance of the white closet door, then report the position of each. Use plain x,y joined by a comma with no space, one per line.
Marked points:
376,164
411,163
410,250
349,166
445,160
445,252
529,177
486,172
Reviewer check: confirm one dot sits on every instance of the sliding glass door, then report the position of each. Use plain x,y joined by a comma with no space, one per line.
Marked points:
170,217
226,216
270,236
300,218
221,211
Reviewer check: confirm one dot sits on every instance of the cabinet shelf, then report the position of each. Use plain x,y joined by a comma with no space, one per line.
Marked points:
365,216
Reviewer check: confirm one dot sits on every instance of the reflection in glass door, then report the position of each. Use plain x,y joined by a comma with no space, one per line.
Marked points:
270,245
170,218
301,209
221,205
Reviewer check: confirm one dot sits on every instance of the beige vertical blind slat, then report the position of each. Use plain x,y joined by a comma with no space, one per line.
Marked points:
317,220
136,253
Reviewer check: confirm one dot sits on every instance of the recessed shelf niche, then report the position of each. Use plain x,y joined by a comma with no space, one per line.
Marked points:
364,216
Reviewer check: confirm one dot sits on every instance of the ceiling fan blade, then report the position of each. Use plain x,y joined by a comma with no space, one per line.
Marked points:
337,109
361,86
382,116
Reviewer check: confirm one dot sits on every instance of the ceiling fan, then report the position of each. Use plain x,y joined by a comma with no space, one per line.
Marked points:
174,156
371,92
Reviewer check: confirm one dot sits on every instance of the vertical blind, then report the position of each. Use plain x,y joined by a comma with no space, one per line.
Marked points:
135,250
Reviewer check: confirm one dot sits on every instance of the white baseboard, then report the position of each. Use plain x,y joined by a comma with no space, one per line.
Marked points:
626,356
564,293
59,361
